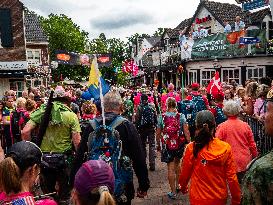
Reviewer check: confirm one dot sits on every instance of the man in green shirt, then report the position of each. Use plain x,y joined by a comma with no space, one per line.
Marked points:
62,132
257,187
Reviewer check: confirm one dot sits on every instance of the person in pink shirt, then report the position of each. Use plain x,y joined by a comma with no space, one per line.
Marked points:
240,137
171,93
259,105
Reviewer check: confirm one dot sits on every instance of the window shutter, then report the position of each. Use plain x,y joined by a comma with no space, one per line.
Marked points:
6,28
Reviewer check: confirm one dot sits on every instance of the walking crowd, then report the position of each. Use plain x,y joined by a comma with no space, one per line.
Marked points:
58,148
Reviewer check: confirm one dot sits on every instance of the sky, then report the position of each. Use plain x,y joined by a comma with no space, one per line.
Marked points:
119,18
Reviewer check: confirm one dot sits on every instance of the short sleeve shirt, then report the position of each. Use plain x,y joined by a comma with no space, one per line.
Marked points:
58,136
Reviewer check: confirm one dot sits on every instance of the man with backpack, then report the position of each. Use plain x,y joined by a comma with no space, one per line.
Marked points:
217,110
59,135
115,140
146,120
194,103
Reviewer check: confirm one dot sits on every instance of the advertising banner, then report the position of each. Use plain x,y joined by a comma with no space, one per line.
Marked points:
228,45
71,58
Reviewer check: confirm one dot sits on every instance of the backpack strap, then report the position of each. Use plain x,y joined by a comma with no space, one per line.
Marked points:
94,124
117,121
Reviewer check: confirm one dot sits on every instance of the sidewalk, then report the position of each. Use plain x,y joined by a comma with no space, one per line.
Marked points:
157,194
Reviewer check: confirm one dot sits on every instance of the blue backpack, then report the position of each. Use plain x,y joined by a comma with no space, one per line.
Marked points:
186,107
104,143
190,108
220,116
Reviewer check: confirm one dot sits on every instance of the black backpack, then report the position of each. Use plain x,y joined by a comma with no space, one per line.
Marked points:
147,116
15,128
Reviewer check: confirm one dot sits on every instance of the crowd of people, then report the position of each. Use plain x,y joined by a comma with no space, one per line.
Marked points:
57,147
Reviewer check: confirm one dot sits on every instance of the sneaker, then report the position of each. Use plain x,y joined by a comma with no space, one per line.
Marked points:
171,195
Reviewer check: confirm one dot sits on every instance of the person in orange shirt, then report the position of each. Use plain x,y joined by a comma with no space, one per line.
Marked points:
208,163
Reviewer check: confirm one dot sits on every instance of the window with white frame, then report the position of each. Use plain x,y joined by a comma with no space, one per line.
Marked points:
231,74
18,87
206,76
255,73
34,56
192,76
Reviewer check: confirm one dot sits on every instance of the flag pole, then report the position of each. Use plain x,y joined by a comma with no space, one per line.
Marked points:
100,87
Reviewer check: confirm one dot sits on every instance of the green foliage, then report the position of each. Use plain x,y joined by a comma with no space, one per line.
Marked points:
64,34
119,52
159,32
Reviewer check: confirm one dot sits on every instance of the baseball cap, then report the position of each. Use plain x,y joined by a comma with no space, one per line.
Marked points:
25,154
195,85
94,174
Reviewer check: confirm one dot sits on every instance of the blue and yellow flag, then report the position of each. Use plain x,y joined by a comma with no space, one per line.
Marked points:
94,80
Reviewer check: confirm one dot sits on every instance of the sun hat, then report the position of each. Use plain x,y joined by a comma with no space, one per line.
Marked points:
94,174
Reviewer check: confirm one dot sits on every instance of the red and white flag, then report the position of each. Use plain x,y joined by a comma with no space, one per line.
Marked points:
214,86
129,66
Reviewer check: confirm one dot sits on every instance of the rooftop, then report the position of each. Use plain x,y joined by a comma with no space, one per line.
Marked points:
33,29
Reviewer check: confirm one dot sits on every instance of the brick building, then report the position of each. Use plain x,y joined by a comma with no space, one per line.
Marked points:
24,59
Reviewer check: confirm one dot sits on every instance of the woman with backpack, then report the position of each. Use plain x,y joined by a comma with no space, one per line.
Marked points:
208,163
173,134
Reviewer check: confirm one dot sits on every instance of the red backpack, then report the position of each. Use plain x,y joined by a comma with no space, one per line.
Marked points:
171,132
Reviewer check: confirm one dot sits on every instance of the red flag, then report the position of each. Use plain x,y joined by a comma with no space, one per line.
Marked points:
129,66
214,86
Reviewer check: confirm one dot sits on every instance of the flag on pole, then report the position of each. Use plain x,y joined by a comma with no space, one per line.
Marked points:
214,86
96,81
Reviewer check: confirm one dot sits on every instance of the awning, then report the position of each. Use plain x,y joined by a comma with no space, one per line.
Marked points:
13,73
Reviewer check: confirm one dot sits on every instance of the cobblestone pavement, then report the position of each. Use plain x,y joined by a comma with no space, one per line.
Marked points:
157,194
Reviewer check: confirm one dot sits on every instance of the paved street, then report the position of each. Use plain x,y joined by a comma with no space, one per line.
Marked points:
157,194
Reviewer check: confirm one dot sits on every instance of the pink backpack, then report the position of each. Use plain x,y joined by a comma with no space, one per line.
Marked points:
171,132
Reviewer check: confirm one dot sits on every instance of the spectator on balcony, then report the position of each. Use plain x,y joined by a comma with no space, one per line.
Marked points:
240,137
227,28
239,24
257,187
202,32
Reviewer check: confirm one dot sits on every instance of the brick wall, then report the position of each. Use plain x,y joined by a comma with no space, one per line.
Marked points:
18,52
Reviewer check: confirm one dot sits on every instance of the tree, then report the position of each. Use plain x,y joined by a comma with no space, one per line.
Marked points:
64,34
117,48
159,32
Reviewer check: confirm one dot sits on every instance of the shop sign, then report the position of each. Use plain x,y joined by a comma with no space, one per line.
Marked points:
15,65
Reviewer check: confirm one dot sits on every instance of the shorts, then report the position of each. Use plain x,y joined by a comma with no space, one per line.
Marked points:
168,156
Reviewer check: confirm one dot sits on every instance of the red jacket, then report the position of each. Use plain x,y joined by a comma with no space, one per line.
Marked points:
209,174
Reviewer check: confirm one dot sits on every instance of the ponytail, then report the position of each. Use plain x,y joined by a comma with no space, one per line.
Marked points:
105,196
98,196
10,176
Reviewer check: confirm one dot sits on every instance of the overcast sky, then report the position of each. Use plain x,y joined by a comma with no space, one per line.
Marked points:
119,18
